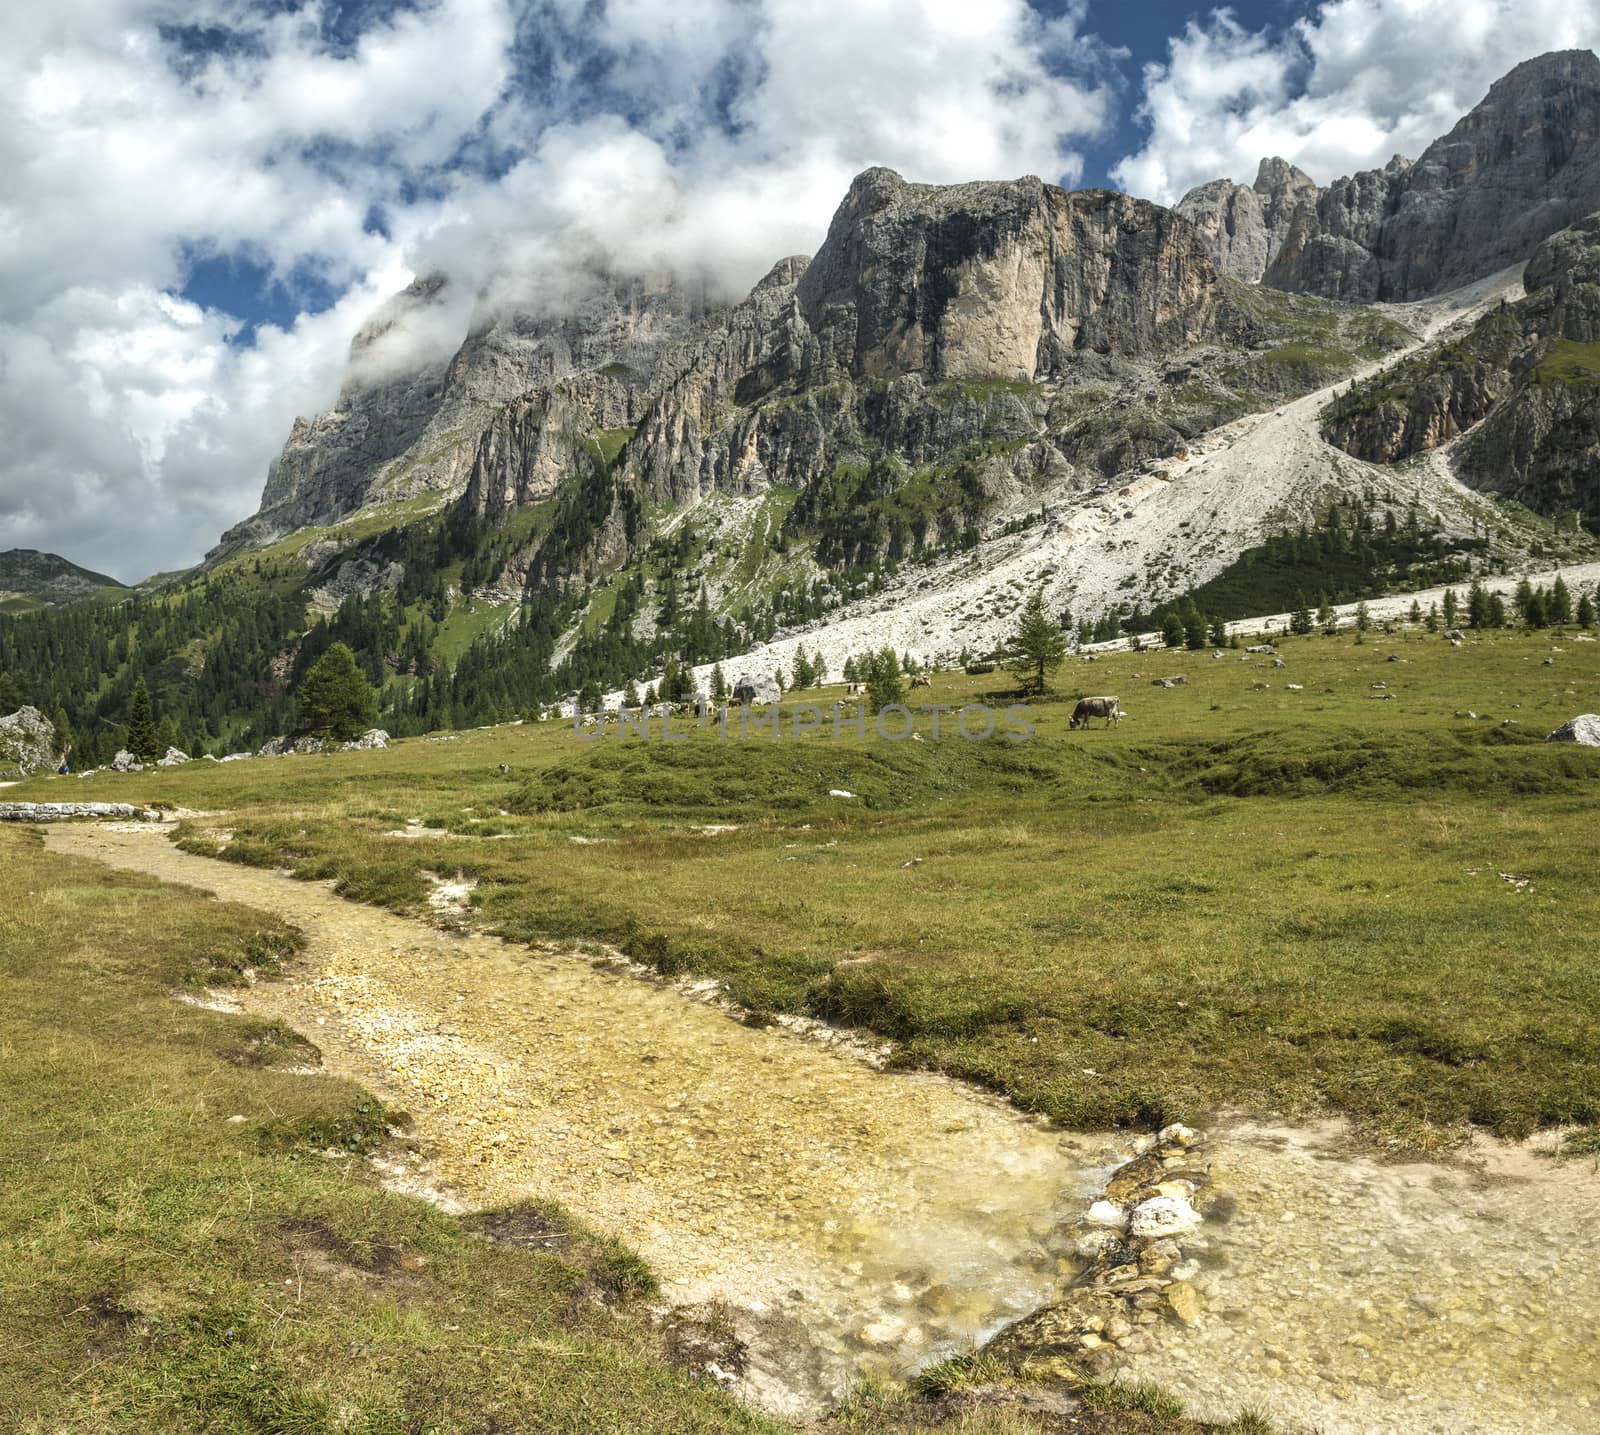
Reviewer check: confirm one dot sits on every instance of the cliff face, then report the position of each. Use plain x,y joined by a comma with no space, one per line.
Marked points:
1521,166
410,416
1525,382
1244,226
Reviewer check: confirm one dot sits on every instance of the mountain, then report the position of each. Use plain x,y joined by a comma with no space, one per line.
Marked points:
1523,386
1521,166
565,485
30,579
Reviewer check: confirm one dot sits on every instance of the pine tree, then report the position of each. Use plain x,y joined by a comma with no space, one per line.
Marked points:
1495,617
1452,606
1194,629
1559,608
1415,615
335,700
1363,618
630,694
1038,645
819,668
1479,607
884,687
719,683
1433,618
1325,615
1172,630
141,734
1300,619
1585,611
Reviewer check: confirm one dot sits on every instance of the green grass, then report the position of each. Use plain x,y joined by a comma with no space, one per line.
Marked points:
1569,363
1263,898
164,1268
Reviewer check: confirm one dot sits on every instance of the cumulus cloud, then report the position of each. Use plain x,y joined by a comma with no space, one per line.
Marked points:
1345,88
515,143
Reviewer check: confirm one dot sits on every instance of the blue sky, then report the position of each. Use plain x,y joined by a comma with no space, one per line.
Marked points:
202,200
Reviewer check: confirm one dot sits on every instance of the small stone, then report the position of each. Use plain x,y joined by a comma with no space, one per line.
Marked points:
1108,1214
1184,1302
1163,1216
1118,1328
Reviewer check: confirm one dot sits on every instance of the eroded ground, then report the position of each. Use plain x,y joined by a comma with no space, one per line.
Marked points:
859,1222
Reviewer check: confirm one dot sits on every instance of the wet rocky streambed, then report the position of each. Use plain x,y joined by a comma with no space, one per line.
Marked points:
861,1223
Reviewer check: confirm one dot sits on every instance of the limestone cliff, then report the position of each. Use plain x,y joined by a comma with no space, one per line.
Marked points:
1525,382
1521,166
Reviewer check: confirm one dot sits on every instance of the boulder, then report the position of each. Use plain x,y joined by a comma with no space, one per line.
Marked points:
1583,730
125,761
27,743
174,758
370,741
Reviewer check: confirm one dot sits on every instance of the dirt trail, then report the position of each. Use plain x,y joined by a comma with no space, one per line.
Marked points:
864,1223
859,1222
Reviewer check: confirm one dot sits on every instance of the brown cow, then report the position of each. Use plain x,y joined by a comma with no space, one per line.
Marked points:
1101,707
922,680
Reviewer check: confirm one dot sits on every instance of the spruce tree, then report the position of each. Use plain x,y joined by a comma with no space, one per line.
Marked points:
719,683
1038,645
1172,630
1585,611
1300,620
334,699
141,735
884,687
1559,607
1452,606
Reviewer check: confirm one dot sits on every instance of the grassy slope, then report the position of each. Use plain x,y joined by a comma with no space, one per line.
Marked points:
165,1270
1282,899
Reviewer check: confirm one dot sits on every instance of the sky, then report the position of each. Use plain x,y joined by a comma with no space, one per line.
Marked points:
202,200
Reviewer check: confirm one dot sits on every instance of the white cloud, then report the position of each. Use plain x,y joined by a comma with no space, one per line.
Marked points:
710,133
1347,87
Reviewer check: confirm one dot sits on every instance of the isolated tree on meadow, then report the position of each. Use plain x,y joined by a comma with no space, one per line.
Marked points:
1194,629
1496,617
630,695
1037,646
1363,618
1452,606
719,683
1300,619
1415,616
884,687
802,669
1172,630
1325,616
1432,620
1585,611
141,736
335,699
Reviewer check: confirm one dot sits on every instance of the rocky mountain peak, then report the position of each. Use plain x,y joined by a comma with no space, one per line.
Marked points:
1523,164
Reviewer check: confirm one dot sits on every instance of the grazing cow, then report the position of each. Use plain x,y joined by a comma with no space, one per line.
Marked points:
1102,707
922,680
854,690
